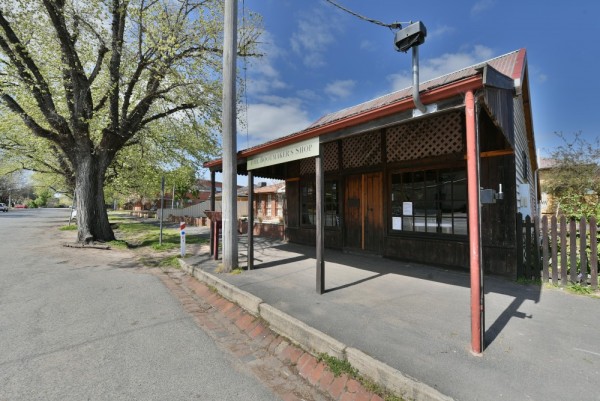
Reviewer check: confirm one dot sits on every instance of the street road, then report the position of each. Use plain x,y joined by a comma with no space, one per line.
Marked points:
85,324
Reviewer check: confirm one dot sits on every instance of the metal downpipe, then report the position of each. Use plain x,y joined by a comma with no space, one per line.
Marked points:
415,69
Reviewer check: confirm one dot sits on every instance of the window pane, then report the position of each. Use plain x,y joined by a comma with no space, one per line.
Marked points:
332,210
438,199
308,200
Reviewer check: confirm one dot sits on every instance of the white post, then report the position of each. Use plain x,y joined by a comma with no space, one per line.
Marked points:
182,232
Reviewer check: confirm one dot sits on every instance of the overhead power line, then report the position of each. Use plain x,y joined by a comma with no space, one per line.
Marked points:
393,25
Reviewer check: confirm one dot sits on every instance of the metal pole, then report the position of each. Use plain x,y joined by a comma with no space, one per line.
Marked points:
162,205
474,226
230,245
173,198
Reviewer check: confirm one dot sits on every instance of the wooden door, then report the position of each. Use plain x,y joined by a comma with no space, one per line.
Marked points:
353,212
373,212
363,212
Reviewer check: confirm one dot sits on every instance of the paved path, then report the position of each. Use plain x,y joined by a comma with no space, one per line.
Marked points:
543,344
89,325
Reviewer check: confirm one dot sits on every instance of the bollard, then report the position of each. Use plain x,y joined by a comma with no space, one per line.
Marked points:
182,231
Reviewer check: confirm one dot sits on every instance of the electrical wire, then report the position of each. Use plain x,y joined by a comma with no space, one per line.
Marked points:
393,25
245,79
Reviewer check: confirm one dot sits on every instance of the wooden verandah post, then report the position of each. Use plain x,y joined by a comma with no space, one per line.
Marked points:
320,226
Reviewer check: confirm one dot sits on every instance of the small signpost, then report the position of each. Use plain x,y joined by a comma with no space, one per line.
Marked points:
216,225
182,232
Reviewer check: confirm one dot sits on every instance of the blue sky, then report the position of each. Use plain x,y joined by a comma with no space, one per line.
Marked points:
319,59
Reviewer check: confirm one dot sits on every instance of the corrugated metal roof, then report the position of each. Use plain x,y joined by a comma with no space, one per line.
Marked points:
505,64
510,64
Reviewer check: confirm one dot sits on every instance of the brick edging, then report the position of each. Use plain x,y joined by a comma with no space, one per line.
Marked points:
296,343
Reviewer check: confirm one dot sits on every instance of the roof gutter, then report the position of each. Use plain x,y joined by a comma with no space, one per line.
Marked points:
443,92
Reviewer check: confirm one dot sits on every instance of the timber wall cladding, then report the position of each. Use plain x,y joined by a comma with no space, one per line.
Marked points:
425,138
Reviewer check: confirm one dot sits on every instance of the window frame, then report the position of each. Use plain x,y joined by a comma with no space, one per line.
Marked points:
311,184
426,220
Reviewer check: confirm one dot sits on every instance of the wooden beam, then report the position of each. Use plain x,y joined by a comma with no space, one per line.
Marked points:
250,220
474,225
363,204
320,226
212,207
496,153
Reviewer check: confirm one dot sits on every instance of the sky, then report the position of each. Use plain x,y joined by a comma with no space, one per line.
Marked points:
319,59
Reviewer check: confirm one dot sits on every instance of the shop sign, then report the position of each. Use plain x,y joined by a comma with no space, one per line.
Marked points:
284,154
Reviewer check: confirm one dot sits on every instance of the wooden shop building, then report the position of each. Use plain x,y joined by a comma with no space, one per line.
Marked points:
383,178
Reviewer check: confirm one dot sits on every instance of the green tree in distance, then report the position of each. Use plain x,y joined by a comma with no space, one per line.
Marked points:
89,79
573,178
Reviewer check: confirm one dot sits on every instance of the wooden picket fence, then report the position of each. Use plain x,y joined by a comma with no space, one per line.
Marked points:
558,250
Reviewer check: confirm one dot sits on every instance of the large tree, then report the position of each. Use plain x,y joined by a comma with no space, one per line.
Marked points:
91,78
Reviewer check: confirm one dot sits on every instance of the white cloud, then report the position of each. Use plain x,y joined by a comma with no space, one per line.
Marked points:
275,117
367,45
314,34
263,77
440,31
481,6
308,94
446,63
340,89
536,73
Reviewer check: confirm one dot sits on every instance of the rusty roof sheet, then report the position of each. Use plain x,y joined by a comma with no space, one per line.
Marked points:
511,64
505,64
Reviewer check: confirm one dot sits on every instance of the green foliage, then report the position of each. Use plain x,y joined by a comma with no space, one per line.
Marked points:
170,261
72,227
43,194
580,289
135,102
118,244
338,366
140,235
573,180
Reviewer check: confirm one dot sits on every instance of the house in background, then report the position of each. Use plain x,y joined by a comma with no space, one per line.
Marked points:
269,202
395,181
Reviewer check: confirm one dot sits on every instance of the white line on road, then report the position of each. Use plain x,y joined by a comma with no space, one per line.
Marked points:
585,350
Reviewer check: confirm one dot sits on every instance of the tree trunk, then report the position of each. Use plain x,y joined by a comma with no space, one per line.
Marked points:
92,219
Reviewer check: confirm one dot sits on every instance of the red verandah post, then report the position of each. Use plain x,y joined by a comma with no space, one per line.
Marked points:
474,236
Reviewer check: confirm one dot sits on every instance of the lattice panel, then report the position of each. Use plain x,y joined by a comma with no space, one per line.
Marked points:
307,166
362,150
331,156
425,138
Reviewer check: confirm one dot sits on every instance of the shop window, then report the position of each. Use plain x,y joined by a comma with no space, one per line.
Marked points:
430,201
309,204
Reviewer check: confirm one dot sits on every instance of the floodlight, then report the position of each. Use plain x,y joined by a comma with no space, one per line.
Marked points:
412,35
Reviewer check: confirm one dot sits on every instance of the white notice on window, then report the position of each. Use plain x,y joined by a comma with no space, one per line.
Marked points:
396,223
407,208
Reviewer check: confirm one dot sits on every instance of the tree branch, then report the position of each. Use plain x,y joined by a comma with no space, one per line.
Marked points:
35,81
185,106
27,119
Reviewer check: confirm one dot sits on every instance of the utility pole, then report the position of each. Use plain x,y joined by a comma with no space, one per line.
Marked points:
230,244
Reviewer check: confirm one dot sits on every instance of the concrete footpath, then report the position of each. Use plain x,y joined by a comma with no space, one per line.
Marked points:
408,326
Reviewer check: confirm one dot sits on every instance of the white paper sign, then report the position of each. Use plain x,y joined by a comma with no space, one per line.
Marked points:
407,208
396,223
